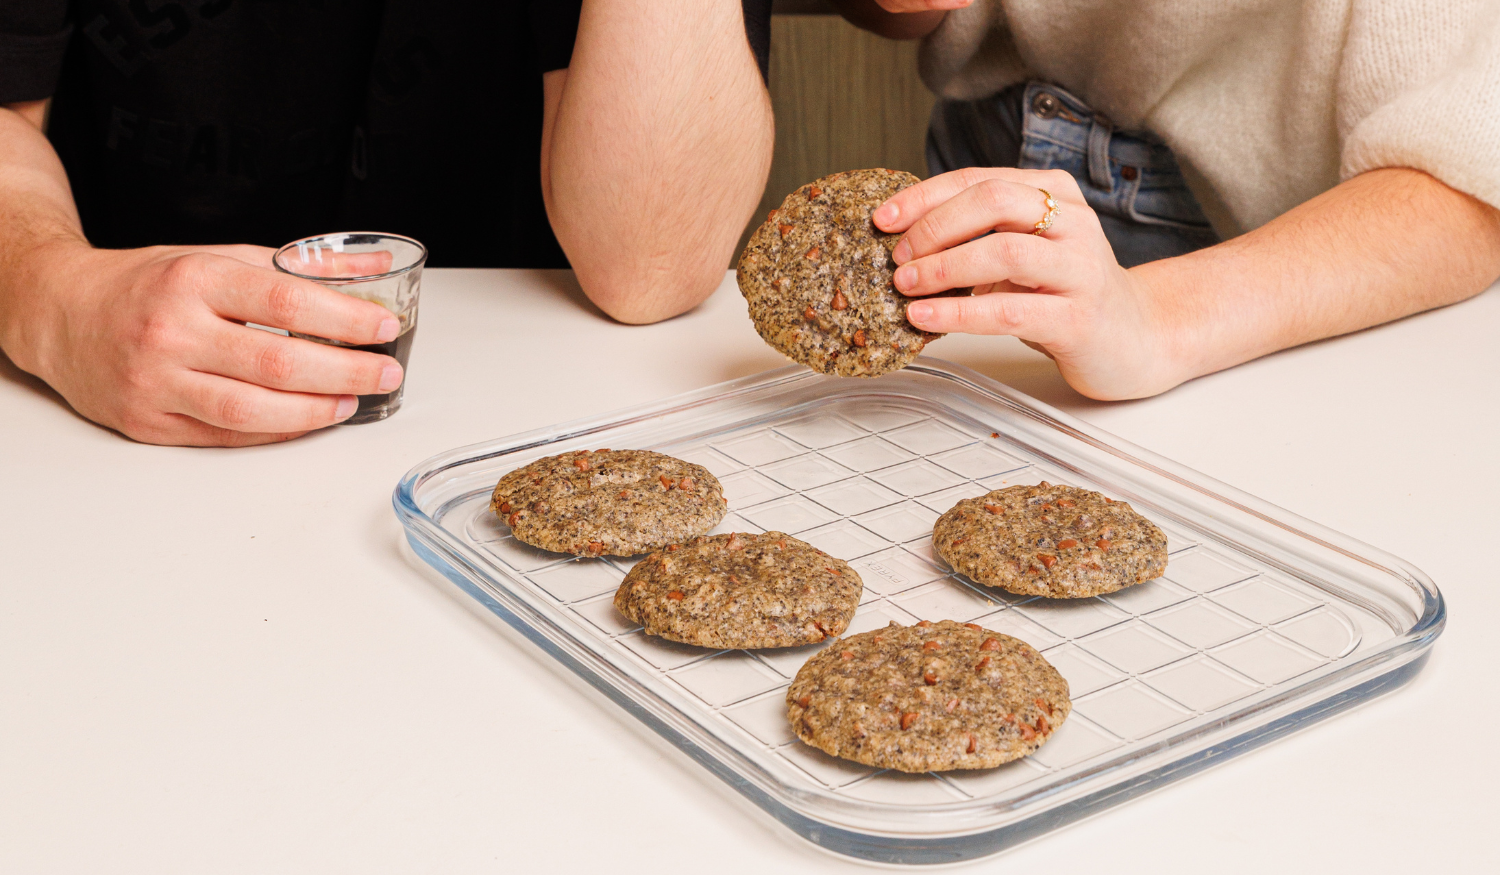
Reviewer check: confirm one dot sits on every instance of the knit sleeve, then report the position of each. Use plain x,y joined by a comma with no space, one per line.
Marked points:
1419,87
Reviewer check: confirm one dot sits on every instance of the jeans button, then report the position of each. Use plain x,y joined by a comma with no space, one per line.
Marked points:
1128,173
1045,105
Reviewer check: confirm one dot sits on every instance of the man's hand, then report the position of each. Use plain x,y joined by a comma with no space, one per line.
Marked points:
1063,292
1382,245
152,343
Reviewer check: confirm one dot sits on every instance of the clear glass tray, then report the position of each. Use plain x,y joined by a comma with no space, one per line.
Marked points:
1263,623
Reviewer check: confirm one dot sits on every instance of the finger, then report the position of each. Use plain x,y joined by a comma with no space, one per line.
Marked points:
237,291
1023,259
293,365
177,430
990,205
238,406
1029,316
905,207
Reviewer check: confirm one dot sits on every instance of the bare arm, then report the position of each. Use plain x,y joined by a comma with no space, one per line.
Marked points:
656,147
1385,244
152,342
36,209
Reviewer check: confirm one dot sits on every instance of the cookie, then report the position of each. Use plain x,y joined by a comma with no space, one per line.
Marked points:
741,591
1054,541
929,697
614,502
817,276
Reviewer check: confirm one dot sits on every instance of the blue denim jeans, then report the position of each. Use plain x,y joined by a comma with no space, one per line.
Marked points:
1130,179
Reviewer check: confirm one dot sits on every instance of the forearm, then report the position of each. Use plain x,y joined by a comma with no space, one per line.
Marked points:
1382,245
36,211
658,152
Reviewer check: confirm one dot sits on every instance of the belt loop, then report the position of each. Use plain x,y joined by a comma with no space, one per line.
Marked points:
1099,134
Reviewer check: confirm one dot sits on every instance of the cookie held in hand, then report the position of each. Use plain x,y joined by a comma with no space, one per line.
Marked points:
608,502
817,276
929,697
741,591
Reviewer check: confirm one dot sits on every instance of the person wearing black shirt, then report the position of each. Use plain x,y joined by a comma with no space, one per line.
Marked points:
186,138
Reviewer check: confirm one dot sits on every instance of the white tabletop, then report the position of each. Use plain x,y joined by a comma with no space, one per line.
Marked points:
227,661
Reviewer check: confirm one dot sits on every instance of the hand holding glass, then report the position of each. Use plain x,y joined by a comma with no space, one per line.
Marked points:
383,268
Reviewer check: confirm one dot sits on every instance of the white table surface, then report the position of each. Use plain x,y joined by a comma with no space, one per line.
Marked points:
226,661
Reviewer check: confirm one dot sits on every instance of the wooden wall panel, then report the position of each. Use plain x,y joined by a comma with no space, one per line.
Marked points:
844,100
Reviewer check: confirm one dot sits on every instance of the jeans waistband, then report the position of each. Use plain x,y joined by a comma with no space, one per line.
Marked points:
1076,127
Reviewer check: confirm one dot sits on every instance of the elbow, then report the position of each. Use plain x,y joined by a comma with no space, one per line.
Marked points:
642,297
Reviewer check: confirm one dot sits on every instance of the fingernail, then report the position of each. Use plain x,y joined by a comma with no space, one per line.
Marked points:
902,252
905,277
918,312
389,328
347,404
390,377
886,213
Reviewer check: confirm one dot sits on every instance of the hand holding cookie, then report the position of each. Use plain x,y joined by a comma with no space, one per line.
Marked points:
1061,291
817,276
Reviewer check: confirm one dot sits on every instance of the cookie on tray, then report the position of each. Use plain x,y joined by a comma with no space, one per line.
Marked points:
929,697
741,591
1054,541
817,276
614,502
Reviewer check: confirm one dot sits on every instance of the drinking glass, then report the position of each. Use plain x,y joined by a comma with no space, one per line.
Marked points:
383,268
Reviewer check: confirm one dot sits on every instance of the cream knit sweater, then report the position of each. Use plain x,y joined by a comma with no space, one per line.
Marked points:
1266,103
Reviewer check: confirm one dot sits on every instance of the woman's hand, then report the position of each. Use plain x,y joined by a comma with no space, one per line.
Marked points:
1062,292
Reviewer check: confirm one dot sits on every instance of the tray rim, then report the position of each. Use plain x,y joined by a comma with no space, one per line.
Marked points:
1399,658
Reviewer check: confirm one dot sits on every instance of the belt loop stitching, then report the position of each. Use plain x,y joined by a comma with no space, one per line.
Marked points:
1099,135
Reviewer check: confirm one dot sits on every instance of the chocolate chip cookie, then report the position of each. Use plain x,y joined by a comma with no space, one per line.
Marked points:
1054,541
615,502
817,276
741,591
929,697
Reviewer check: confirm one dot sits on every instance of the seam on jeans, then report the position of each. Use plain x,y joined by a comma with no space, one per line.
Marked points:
1134,215
1058,143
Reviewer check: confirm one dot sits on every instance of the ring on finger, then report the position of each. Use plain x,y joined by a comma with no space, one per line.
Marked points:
1052,210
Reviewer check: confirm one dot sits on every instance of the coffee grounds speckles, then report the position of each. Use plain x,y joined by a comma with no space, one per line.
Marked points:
1054,541
817,277
608,502
928,697
741,591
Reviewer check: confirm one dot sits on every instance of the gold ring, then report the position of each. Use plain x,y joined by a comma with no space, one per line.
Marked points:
1052,210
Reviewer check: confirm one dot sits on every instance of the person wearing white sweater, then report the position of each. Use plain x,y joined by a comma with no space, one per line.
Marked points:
1231,177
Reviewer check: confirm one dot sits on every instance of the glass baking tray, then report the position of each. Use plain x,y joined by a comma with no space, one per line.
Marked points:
1263,623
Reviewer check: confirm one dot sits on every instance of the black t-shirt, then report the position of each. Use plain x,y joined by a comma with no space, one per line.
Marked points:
261,121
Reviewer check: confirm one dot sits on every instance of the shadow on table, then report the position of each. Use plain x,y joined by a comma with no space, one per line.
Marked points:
11,374
564,285
1037,377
